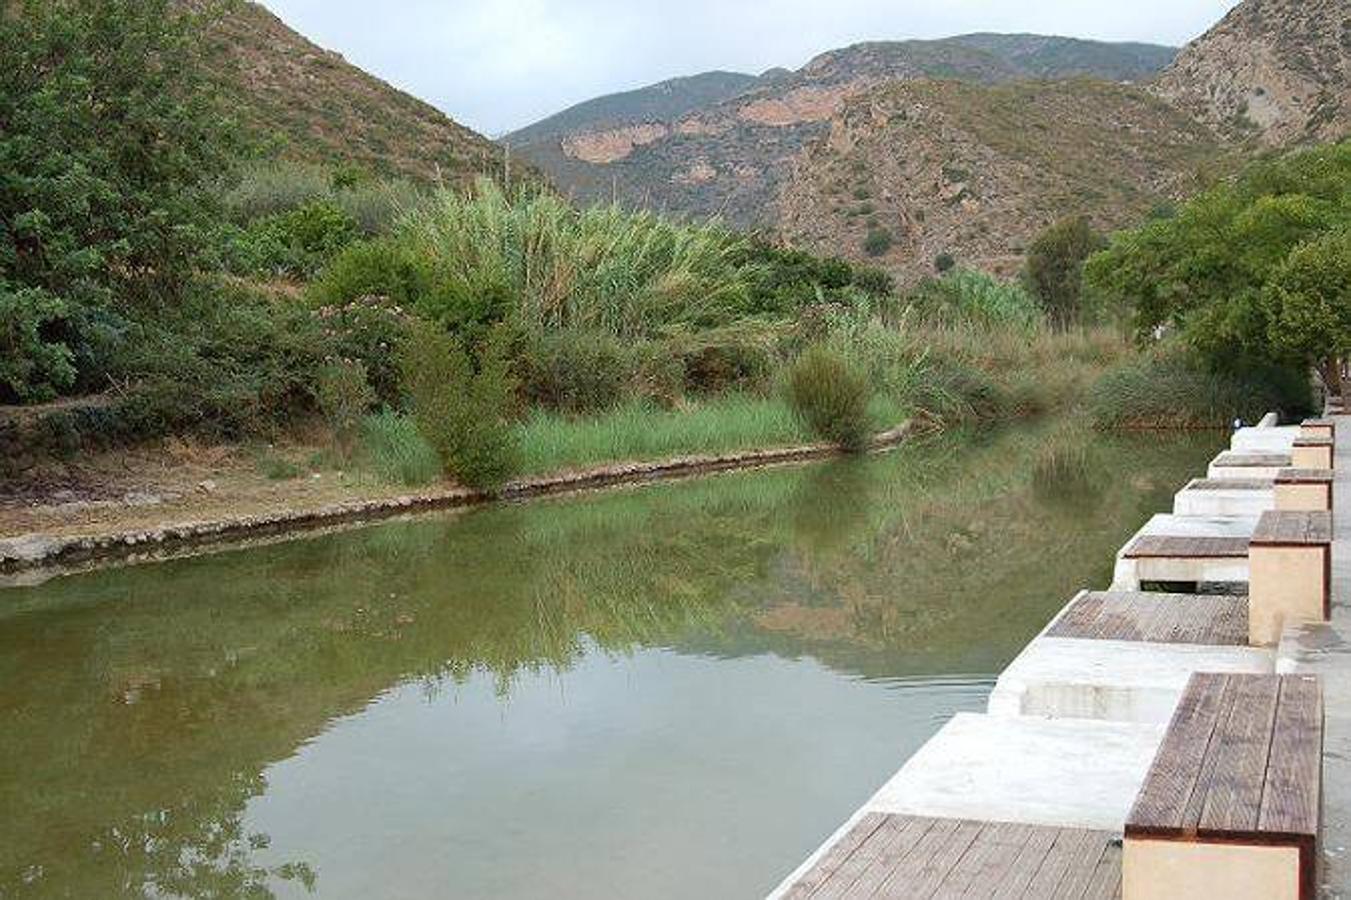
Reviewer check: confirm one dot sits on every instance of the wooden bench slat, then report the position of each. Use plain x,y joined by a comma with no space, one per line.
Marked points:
1241,745
1017,881
1294,771
1172,781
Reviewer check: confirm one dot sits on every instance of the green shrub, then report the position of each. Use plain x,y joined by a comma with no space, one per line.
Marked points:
463,412
831,397
297,243
877,242
1054,271
1171,389
576,371
397,451
228,362
33,366
384,268
343,394
377,206
267,188
369,329
111,127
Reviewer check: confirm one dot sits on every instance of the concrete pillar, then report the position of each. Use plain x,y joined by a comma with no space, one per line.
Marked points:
1303,490
1289,573
1318,428
1311,453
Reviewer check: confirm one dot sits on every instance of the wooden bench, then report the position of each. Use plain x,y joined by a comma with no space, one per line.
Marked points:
1181,559
1304,490
1231,804
900,856
1312,453
1318,428
1240,464
1289,572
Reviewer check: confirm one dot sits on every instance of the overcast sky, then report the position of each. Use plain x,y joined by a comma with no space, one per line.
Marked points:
496,65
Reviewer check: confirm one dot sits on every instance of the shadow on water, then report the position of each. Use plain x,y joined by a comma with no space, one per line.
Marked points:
145,711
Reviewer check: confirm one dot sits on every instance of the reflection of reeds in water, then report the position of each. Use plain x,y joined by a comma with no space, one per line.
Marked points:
1067,474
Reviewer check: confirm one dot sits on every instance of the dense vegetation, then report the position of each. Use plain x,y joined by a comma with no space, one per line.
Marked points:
1251,276
494,330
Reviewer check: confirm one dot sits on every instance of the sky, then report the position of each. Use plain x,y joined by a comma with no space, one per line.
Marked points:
497,65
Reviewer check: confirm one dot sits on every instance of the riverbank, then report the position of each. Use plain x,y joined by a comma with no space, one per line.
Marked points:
163,500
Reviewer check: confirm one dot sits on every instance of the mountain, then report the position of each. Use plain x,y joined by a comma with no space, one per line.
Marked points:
976,171
722,144
663,101
311,104
1275,70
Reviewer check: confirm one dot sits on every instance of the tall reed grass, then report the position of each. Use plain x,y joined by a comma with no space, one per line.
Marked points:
549,266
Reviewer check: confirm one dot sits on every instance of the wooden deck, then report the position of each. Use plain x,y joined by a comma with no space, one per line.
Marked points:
894,856
1167,546
1217,621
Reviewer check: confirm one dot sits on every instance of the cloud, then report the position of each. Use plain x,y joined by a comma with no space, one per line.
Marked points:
500,64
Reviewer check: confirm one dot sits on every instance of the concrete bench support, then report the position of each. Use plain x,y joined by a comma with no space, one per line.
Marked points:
1312,453
1230,806
1303,490
1326,428
1290,573
1180,549
1225,497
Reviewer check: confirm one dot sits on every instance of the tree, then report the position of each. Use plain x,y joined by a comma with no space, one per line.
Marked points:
1308,305
1220,272
1055,268
109,134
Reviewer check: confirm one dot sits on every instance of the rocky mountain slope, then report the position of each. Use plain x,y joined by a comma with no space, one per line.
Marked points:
911,171
1275,70
309,103
682,147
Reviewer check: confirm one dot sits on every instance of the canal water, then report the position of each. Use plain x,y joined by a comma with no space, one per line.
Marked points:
676,690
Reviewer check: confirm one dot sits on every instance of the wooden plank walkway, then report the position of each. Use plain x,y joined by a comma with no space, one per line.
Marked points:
1169,546
1212,620
915,857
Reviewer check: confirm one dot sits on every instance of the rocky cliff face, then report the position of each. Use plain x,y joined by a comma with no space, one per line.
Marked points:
1278,71
976,171
730,153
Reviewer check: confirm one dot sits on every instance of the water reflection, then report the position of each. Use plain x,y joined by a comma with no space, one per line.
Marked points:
163,727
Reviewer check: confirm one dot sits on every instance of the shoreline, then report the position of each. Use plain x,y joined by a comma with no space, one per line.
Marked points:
35,557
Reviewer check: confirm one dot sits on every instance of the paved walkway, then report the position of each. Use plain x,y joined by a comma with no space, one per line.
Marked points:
1326,650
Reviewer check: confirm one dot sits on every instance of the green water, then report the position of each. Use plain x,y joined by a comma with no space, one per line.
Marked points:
671,691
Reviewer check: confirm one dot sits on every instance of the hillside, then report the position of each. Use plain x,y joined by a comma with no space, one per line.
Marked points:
310,104
1278,71
729,156
976,171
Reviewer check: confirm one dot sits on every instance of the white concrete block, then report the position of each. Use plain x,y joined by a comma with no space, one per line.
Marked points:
1073,773
1265,440
1125,681
1223,502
